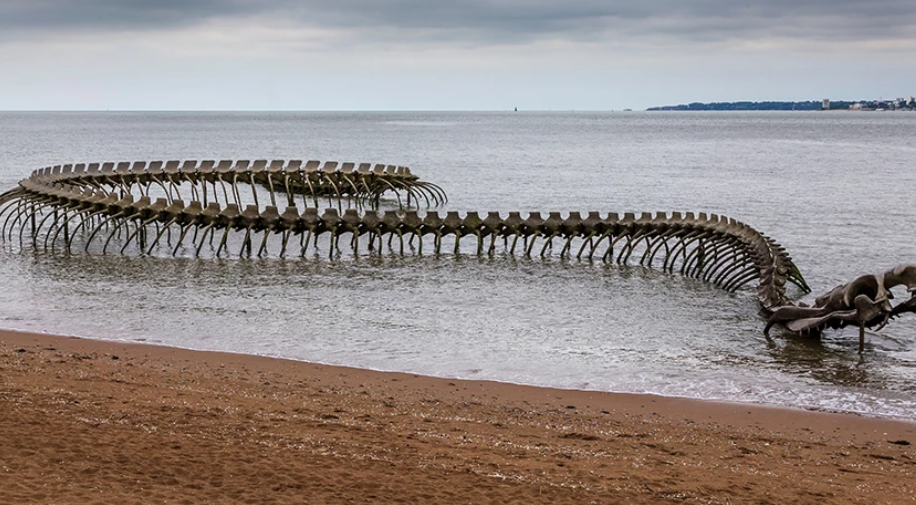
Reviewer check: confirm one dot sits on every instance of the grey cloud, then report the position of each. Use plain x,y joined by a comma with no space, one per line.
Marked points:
488,21
24,15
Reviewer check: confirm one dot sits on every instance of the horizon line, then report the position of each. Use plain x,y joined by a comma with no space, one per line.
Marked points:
338,111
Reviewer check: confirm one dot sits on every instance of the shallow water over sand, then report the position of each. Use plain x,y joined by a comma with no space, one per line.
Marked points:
835,189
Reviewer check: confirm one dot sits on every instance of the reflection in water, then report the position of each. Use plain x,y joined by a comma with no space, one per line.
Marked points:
806,356
502,317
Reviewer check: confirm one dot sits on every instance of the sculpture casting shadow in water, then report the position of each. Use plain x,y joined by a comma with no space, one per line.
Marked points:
63,205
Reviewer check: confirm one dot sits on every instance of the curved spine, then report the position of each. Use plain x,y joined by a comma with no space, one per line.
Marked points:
87,199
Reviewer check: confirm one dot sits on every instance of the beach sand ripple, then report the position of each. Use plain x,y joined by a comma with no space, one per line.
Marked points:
92,422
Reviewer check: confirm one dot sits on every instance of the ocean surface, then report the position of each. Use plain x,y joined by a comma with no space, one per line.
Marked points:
836,189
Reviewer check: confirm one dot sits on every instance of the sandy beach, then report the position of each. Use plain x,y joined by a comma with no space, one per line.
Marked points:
93,422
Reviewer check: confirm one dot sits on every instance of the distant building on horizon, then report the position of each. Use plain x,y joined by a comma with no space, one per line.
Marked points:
826,104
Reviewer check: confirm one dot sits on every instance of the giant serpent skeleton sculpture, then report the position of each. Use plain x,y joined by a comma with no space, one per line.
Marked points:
96,205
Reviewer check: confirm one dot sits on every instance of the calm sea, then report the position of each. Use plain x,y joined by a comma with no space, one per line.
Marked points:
837,189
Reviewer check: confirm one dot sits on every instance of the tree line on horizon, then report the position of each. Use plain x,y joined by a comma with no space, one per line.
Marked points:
776,105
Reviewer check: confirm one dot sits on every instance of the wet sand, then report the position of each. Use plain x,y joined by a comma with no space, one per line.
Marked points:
93,422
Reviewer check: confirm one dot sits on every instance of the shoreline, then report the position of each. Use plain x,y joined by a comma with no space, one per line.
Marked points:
98,421
736,403
18,335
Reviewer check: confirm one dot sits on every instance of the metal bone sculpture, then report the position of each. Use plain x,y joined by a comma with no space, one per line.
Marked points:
864,302
67,203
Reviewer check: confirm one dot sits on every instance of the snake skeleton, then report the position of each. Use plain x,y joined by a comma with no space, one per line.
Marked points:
226,207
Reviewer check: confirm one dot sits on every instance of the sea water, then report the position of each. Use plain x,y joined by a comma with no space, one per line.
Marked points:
836,189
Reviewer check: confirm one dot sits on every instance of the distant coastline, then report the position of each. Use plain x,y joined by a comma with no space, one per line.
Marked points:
904,104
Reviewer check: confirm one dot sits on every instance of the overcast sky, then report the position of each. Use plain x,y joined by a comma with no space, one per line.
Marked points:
448,54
